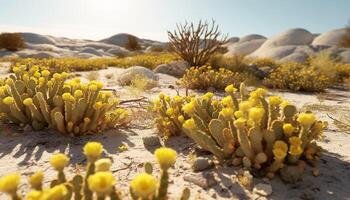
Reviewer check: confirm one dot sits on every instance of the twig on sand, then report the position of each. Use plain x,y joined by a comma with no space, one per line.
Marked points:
141,99
338,121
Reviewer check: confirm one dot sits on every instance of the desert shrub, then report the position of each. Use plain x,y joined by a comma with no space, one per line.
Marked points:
206,77
262,62
298,77
33,97
11,41
132,43
265,135
233,63
78,64
196,44
98,181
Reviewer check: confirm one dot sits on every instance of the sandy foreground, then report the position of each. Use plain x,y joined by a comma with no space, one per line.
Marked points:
27,152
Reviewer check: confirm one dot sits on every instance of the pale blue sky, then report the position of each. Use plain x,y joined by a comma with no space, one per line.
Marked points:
97,19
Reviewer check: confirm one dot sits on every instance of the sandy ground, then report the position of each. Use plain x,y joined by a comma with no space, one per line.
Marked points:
28,152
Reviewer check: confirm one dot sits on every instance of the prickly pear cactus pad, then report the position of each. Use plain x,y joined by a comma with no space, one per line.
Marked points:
260,133
40,99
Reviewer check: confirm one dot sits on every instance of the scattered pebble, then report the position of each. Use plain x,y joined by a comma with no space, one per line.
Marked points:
262,189
201,163
151,141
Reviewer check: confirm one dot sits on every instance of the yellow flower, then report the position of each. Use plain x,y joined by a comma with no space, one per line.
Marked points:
227,101
78,93
256,114
98,105
230,89
279,154
260,92
144,185
288,129
59,161
166,157
99,85
101,182
34,195
279,144
9,183
45,73
170,111
57,76
181,119
189,108
36,179
161,95
227,112
103,164
295,141
177,99
28,101
189,124
67,97
93,150
9,81
8,100
275,100
306,119
295,150
245,105
16,69
93,87
240,122
238,114
37,74
58,192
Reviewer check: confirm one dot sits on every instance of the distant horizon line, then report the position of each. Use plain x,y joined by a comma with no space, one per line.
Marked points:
99,38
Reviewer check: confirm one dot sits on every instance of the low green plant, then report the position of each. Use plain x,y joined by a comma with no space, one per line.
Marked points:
33,97
98,182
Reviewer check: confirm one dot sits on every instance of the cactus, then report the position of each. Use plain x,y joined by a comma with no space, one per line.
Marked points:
98,182
264,134
32,97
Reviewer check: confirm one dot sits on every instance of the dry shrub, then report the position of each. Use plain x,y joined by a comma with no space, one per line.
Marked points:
345,40
196,44
11,41
132,44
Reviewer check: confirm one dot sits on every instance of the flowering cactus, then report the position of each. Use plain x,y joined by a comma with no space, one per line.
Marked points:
32,97
252,131
98,182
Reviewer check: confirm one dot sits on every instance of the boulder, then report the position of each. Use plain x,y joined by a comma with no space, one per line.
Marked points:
283,44
4,53
120,39
276,53
251,37
131,73
85,55
345,56
37,39
118,51
37,54
233,39
175,68
299,57
91,50
331,38
244,48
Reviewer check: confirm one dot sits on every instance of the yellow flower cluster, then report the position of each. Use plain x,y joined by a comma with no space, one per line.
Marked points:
205,77
150,60
98,183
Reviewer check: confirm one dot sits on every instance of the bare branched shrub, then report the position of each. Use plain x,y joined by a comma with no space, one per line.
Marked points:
196,43
132,43
11,41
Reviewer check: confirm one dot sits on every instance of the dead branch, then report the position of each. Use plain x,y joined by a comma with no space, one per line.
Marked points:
196,44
